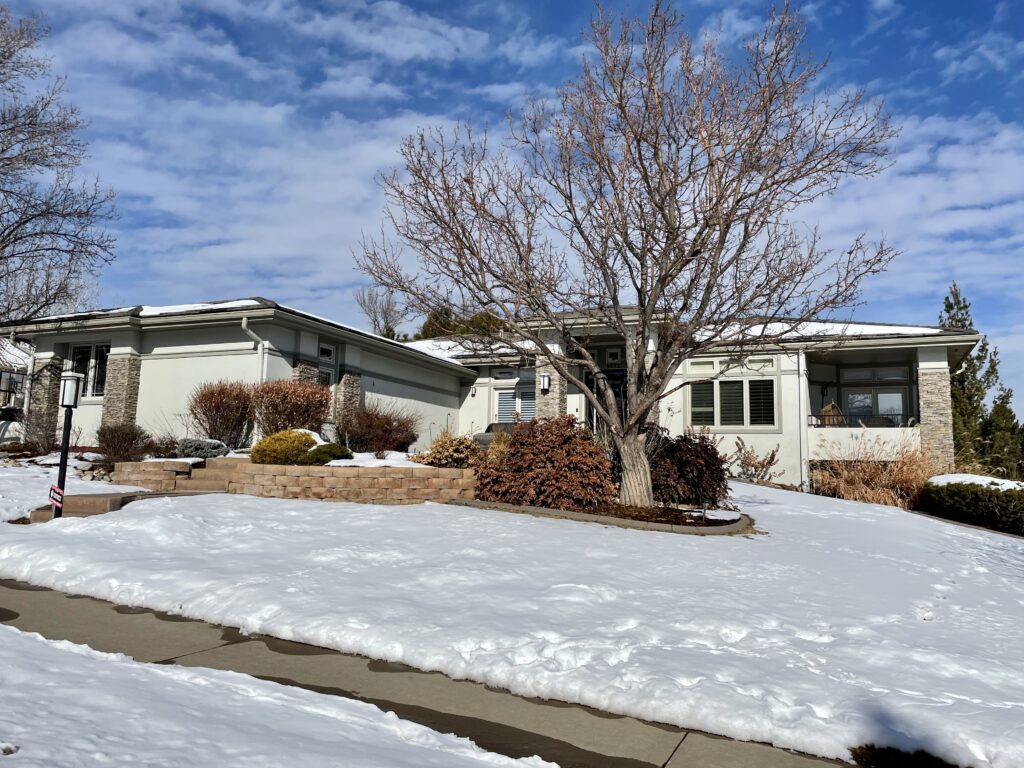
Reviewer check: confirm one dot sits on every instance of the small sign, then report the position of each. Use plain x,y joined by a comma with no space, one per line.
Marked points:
57,496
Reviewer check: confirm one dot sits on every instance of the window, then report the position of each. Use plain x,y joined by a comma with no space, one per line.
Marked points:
324,377
12,386
891,373
730,403
760,363
888,403
513,401
700,366
702,404
613,356
327,353
91,362
733,403
762,402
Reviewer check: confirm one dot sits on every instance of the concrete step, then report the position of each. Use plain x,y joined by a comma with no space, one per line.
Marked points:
194,484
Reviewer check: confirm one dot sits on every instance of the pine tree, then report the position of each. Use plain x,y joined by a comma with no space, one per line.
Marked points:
971,383
1002,438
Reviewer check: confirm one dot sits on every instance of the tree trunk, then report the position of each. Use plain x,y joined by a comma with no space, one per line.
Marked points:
635,490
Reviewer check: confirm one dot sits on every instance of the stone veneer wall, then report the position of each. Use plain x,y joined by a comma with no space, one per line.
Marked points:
373,485
303,370
121,395
936,408
154,475
44,394
349,394
553,402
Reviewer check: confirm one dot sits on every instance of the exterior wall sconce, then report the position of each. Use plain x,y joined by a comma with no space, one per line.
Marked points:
545,382
472,391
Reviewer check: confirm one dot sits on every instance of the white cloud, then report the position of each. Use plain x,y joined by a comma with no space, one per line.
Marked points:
991,51
881,12
731,25
354,81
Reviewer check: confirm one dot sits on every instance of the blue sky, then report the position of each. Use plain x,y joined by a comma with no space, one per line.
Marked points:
243,137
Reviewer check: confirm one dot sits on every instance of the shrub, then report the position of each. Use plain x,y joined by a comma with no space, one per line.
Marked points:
164,447
39,433
553,463
989,507
873,472
201,448
322,454
123,442
376,428
223,411
747,464
688,469
286,447
450,450
282,405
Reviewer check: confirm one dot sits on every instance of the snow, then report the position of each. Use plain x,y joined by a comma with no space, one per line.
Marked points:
177,309
25,488
995,482
391,459
192,460
843,624
13,357
66,705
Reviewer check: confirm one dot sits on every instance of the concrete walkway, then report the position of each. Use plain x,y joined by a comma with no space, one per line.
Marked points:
570,735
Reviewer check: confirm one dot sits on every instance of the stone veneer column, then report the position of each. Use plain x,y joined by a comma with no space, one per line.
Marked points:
44,392
349,394
121,390
936,410
303,370
553,402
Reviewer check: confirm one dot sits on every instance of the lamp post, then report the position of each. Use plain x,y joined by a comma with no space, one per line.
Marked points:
70,395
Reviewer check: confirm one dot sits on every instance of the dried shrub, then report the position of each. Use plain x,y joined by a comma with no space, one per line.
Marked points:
555,463
123,442
747,464
995,508
688,469
377,428
286,447
39,433
451,450
872,471
164,447
282,405
223,410
325,453
201,448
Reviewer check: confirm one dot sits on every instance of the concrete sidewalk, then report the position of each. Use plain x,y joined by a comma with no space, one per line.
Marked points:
570,735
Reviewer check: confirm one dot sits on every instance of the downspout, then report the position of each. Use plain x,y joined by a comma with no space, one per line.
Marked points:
804,390
261,344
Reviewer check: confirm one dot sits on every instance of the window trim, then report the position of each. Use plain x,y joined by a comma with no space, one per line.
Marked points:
89,384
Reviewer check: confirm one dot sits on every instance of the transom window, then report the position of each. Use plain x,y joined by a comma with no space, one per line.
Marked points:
91,361
733,403
512,401
326,353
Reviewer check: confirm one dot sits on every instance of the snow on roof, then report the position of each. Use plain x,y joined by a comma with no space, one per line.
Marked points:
179,309
838,328
12,356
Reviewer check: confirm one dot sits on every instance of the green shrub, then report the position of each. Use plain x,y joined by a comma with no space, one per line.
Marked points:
286,447
282,405
223,411
989,507
553,463
450,450
325,453
123,442
377,428
688,469
201,448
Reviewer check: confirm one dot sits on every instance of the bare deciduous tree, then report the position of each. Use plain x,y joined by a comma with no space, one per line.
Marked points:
381,309
51,236
652,200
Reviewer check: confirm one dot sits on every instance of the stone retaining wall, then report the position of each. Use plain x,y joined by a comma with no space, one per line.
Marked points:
154,475
374,485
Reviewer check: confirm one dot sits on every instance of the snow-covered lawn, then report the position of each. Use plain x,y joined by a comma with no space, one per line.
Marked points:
25,488
66,705
993,482
845,624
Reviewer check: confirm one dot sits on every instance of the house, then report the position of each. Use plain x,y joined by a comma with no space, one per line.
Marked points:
829,385
813,395
14,361
141,363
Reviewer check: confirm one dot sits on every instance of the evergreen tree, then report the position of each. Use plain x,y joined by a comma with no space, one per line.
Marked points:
1002,438
971,383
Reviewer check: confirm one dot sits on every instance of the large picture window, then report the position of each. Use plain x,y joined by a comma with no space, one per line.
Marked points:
733,403
91,361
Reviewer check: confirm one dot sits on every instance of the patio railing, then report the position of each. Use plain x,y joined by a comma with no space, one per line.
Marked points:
862,420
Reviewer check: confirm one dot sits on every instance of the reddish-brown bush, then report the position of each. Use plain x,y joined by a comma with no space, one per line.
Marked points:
223,410
282,405
688,469
377,428
123,442
554,463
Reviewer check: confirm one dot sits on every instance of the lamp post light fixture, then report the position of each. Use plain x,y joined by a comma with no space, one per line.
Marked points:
70,396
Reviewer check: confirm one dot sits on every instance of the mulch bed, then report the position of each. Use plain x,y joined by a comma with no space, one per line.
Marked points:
664,515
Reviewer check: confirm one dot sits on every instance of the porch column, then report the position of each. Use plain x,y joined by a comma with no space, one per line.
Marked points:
551,402
936,406
304,370
44,395
348,394
121,390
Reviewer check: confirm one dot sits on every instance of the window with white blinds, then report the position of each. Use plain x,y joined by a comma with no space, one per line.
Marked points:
506,404
527,405
511,402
